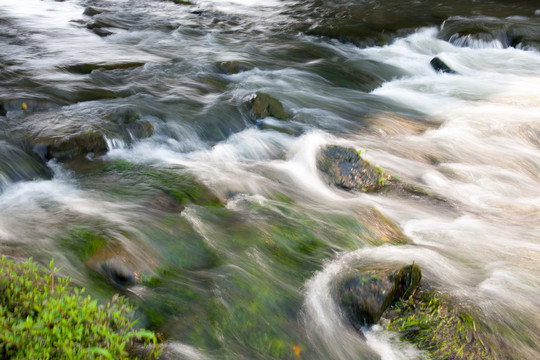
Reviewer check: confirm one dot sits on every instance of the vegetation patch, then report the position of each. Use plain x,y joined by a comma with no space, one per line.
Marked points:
427,320
42,318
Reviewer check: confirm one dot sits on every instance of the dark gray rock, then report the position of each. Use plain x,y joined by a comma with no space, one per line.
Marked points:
18,164
344,168
76,145
365,294
91,11
93,141
118,272
440,66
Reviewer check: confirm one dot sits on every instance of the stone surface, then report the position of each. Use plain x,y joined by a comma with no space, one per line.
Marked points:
17,164
344,168
365,294
263,105
439,65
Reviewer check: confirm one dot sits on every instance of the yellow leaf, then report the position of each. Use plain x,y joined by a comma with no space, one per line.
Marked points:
24,106
296,349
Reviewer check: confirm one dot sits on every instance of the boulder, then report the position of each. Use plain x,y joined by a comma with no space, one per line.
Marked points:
440,66
120,265
233,67
92,141
91,11
76,145
17,164
365,294
263,105
344,168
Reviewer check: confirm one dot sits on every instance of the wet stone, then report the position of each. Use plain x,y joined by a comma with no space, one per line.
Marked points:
439,65
17,164
365,294
87,68
91,11
263,105
75,145
233,67
344,168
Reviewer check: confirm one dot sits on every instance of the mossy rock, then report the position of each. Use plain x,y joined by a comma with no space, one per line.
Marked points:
105,253
344,168
93,141
428,320
263,105
365,294
174,184
77,145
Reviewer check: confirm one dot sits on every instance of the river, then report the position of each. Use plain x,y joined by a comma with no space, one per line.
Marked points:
244,268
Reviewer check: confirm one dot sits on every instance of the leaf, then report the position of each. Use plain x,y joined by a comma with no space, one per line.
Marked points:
99,351
141,333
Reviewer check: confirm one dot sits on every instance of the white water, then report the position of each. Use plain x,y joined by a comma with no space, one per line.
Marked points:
485,249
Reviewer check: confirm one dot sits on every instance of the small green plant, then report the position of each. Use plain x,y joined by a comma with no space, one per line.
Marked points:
42,318
426,320
383,178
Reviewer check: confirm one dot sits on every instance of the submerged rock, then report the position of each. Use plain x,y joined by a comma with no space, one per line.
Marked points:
76,145
344,168
233,67
17,164
366,294
183,2
92,141
440,66
91,11
263,105
87,68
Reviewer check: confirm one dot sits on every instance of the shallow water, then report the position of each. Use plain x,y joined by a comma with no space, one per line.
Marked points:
246,272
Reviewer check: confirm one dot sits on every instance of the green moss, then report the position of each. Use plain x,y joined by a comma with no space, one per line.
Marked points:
180,185
181,246
83,241
428,321
41,317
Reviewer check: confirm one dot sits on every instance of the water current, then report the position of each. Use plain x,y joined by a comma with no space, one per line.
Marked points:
244,268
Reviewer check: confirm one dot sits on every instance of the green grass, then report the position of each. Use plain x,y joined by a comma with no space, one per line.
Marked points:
41,317
427,320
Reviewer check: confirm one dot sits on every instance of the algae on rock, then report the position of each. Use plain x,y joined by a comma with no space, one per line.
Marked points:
264,105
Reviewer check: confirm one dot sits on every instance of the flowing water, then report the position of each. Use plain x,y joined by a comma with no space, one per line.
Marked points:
246,271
